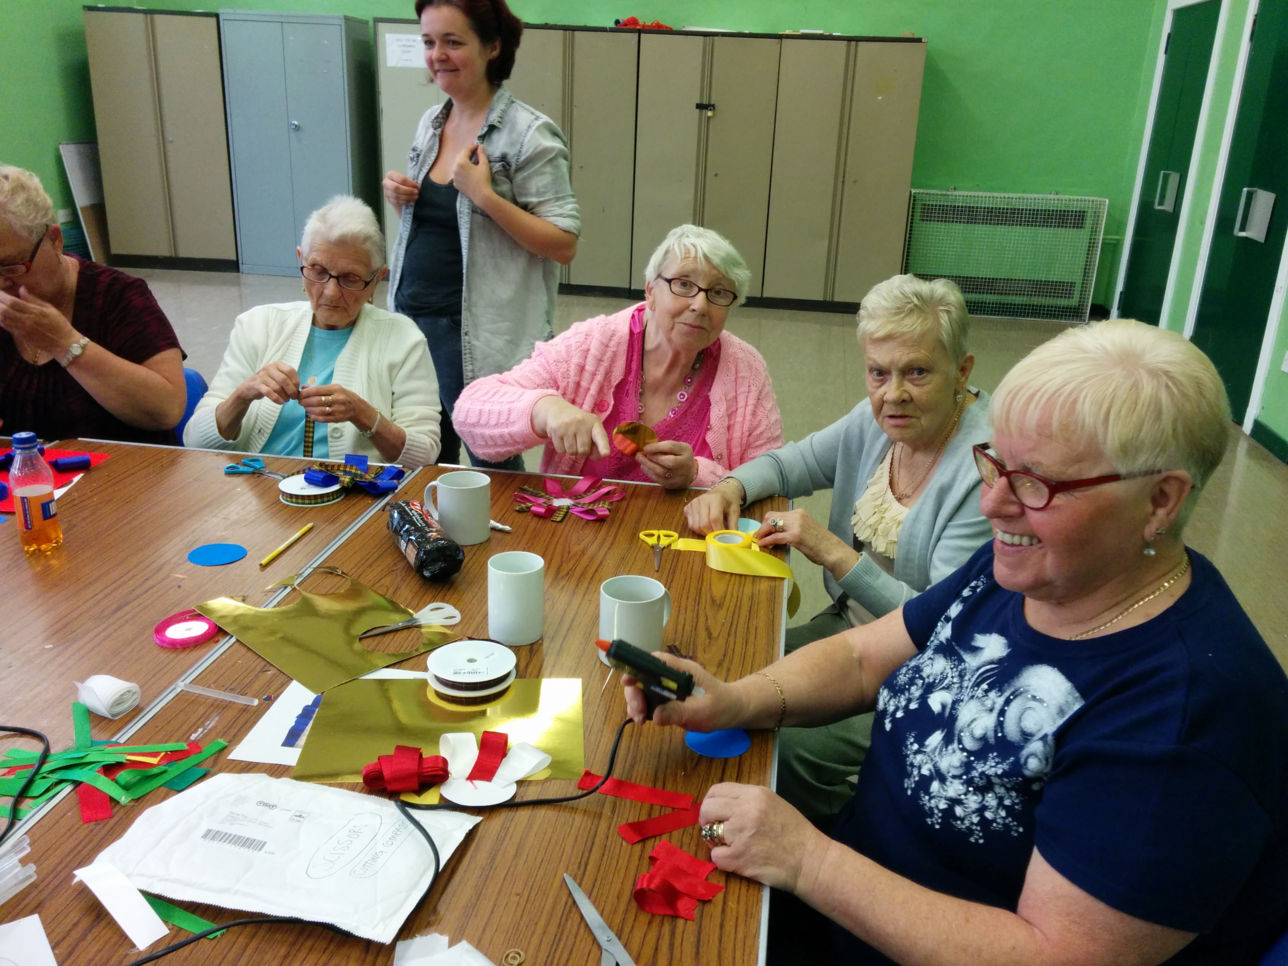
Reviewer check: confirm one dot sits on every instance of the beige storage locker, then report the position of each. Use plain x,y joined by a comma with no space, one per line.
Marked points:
158,107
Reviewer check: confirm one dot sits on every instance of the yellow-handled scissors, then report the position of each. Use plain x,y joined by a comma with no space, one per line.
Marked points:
658,540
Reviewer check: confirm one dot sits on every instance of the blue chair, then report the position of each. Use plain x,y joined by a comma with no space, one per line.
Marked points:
1277,955
196,389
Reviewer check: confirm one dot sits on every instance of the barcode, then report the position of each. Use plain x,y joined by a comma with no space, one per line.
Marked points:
239,841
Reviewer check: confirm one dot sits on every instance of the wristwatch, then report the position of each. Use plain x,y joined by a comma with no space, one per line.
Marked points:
74,351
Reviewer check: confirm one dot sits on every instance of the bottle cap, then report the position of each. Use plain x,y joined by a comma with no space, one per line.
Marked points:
24,440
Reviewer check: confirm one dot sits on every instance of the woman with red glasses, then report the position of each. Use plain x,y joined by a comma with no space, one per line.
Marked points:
84,349
1081,744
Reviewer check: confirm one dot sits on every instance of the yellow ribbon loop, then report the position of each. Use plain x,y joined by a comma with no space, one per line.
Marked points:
733,552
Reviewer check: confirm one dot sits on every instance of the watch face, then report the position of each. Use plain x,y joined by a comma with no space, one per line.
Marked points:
77,349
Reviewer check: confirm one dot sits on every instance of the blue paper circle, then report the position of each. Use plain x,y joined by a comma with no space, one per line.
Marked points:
216,554
729,743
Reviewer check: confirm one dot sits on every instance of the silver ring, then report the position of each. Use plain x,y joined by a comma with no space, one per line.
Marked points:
777,524
713,834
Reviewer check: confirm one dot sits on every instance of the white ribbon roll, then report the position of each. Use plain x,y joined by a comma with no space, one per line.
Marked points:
111,697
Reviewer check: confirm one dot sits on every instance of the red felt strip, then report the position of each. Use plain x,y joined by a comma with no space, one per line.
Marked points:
95,806
658,825
635,792
492,748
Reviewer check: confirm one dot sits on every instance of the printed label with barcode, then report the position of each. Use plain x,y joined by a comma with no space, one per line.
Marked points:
238,841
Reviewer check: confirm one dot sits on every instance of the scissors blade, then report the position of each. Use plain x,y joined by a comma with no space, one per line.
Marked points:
609,942
657,557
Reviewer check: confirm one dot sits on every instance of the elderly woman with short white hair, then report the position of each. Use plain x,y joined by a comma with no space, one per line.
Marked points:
1081,744
331,376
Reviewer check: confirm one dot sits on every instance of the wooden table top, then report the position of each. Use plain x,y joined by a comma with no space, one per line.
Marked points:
90,606
503,888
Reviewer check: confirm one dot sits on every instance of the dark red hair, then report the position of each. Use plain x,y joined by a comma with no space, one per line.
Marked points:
492,20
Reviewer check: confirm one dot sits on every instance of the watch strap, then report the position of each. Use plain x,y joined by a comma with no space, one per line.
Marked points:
74,351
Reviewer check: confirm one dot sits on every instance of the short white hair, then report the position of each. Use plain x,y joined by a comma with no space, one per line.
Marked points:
906,305
24,205
696,242
345,220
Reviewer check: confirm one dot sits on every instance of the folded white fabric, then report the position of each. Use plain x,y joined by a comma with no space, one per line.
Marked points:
288,848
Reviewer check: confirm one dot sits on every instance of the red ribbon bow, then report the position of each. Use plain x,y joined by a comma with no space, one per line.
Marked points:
586,498
406,770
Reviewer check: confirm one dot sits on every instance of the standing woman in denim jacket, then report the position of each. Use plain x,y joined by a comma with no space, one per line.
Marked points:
487,209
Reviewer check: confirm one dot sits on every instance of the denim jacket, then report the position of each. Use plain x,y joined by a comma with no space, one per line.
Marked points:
508,294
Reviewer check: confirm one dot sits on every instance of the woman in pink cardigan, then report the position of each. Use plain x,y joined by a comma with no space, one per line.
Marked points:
667,363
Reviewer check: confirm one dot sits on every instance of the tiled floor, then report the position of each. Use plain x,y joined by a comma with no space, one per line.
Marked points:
816,367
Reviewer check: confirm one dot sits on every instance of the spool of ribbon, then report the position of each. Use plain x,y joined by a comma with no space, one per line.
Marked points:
187,628
732,552
108,696
297,491
406,770
470,672
586,498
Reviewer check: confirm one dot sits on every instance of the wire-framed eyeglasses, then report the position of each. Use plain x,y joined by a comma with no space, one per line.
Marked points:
18,269
350,281
717,295
1037,492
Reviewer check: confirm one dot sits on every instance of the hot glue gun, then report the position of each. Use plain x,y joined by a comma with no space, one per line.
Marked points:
657,678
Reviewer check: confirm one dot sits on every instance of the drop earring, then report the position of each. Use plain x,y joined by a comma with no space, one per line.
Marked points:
1149,545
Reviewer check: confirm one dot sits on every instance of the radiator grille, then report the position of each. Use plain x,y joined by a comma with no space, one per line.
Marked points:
1018,256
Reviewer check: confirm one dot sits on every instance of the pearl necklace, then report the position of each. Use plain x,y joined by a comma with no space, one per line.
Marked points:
1176,575
943,445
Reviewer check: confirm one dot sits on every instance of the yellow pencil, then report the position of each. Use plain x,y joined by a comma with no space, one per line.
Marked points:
285,546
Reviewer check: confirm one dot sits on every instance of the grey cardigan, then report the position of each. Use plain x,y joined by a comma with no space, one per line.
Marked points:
942,529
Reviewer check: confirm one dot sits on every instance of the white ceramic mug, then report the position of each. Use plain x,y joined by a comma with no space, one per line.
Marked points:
515,597
464,505
633,609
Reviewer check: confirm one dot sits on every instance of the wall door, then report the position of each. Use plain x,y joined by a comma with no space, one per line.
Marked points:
1248,237
1171,143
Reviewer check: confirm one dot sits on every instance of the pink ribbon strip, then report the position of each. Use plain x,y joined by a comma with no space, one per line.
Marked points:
676,883
585,499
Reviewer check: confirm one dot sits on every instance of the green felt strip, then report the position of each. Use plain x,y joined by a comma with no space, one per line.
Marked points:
180,918
185,778
159,776
80,722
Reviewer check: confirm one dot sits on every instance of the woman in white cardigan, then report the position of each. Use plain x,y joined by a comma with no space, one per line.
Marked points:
330,376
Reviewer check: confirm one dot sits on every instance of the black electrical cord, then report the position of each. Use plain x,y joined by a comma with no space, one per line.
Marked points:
31,777
403,809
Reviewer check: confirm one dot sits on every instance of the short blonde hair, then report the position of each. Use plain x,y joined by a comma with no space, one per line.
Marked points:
345,220
1149,399
694,241
906,305
24,205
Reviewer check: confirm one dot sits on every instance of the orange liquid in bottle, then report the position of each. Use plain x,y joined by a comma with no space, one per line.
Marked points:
37,519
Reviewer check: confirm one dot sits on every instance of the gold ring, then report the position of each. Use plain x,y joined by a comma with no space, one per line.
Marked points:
713,834
328,409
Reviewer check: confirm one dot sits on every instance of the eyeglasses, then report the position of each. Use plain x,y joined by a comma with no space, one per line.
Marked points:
1037,492
354,283
685,289
22,268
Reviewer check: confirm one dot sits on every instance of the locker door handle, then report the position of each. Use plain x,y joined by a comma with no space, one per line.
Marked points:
1165,191
1253,219
710,109
295,125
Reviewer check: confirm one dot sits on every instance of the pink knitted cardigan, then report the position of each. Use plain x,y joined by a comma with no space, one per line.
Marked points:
583,365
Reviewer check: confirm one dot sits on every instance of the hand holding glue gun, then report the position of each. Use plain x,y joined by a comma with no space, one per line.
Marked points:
671,690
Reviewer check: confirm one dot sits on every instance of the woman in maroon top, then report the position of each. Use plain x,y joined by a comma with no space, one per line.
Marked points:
84,350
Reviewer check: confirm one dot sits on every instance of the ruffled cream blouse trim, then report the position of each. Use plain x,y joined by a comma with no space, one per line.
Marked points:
878,516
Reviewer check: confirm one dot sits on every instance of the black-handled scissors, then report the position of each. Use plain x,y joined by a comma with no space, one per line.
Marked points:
614,953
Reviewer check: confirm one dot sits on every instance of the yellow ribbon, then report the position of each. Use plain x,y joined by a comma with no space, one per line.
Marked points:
734,552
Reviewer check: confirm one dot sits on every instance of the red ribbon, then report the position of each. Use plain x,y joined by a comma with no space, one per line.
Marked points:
676,883
492,748
96,805
406,770
585,498
636,793
647,828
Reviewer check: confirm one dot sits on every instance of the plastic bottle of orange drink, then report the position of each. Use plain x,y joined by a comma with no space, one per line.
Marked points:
32,483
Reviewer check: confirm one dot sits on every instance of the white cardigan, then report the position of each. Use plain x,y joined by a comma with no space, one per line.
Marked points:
386,362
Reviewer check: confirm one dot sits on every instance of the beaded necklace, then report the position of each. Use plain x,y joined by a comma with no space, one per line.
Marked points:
682,396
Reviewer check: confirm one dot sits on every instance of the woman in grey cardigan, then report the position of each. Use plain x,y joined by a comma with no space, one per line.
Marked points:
905,503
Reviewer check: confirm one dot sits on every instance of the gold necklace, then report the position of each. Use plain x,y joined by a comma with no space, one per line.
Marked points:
1177,575
943,445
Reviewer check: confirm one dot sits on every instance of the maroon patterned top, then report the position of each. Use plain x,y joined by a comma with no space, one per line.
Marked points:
117,311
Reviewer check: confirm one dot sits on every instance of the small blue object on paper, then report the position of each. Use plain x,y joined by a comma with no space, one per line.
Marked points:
729,743
302,722
216,554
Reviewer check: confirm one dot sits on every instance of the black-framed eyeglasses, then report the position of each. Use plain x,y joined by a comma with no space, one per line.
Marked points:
1037,492
719,295
350,281
22,268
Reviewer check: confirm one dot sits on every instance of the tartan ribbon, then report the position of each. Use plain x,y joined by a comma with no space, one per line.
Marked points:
586,498
354,472
308,437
